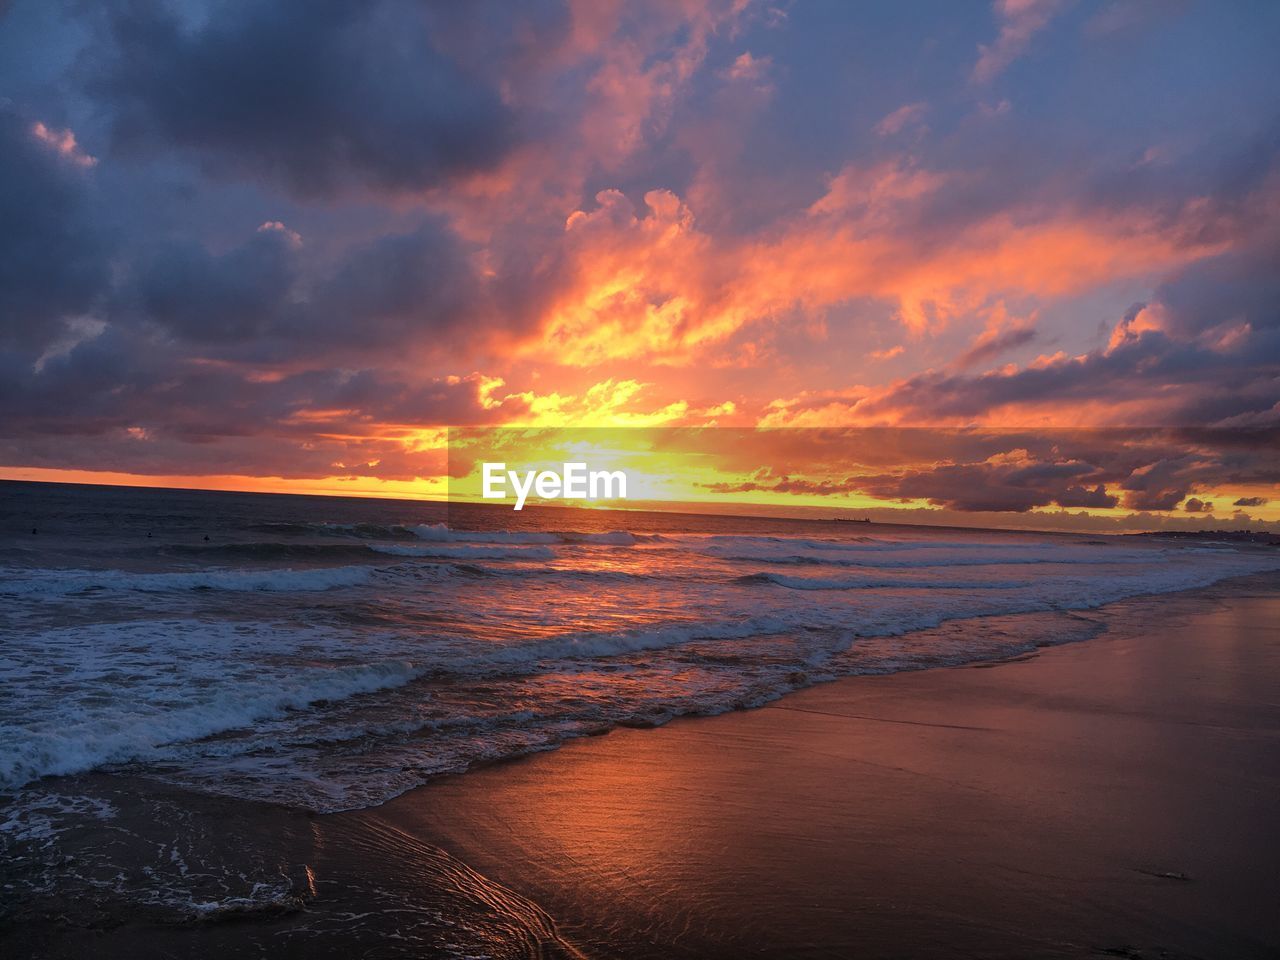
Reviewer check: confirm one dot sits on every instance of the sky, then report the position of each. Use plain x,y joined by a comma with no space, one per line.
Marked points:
287,245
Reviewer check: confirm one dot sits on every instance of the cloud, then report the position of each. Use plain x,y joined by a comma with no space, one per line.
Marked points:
751,70
1010,482
905,116
126,377
1251,502
992,343
319,97
1019,20
64,142
53,256
341,225
1160,485
888,354
1211,328
651,283
267,300
990,470
219,298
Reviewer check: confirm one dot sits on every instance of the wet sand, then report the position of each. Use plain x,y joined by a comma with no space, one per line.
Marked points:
1115,797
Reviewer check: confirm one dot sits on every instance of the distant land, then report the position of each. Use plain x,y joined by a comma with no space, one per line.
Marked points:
1235,536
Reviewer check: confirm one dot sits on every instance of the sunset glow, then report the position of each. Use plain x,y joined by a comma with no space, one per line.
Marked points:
698,214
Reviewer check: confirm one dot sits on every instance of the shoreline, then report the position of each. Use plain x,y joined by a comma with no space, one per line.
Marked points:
1106,798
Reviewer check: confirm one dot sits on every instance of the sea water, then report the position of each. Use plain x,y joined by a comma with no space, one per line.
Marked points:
331,653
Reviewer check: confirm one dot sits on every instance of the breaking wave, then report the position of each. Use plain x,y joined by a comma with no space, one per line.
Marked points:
77,740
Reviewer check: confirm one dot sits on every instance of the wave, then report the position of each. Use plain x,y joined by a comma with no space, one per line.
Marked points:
370,531
614,538
37,583
441,533
579,575
833,627
532,636
462,551
260,550
869,583
881,545
133,732
993,556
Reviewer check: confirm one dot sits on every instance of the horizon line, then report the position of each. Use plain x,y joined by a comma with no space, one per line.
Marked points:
637,509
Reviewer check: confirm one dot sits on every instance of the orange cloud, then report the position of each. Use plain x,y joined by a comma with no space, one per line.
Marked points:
654,286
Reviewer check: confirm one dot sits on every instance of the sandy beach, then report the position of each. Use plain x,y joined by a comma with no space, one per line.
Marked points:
1114,797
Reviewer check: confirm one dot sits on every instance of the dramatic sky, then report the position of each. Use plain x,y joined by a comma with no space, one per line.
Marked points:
284,245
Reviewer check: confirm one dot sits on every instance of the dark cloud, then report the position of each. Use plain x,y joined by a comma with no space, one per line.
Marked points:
53,259
1084,497
1160,485
992,470
208,298
398,287
1195,505
1251,502
270,299
138,403
319,95
992,344
995,487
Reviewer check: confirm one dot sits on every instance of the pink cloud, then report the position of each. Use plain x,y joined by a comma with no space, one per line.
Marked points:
64,142
905,116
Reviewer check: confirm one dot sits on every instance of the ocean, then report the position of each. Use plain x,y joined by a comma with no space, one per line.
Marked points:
331,653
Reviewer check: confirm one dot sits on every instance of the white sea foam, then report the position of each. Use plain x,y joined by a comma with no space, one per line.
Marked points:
136,722
39,817
851,614
614,538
